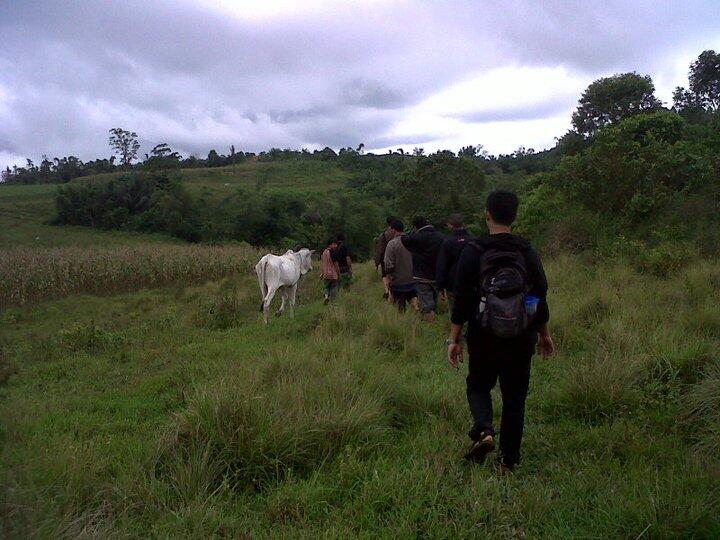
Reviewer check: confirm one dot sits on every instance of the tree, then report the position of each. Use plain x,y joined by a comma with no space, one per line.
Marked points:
610,99
162,157
705,79
703,97
125,145
438,185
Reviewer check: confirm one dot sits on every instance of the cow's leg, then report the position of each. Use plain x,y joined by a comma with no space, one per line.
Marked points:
283,295
266,302
293,293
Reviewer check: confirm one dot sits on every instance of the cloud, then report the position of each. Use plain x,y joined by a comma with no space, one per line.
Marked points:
201,75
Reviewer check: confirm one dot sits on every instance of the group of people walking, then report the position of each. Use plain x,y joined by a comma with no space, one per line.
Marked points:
496,289
495,286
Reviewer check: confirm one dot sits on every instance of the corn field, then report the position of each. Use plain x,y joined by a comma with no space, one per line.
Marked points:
28,275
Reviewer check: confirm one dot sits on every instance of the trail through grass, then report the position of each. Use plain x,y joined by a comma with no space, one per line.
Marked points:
175,413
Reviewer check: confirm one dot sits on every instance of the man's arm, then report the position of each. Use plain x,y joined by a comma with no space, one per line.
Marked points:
441,268
409,241
390,259
539,288
467,273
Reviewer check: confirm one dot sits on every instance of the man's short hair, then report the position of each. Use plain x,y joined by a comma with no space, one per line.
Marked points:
331,240
389,220
456,220
419,222
397,225
503,206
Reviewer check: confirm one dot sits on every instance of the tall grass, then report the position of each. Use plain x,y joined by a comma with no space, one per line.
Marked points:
37,274
346,421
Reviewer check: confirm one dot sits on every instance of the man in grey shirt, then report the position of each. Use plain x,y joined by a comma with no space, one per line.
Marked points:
399,268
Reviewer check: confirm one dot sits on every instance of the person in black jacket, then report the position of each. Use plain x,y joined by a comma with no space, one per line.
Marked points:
491,357
424,245
449,255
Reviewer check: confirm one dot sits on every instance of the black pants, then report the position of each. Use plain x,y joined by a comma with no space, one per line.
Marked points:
491,359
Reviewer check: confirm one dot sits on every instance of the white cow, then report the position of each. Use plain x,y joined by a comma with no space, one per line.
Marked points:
282,273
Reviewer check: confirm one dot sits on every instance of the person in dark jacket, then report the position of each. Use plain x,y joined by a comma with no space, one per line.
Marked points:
491,357
424,245
449,255
344,255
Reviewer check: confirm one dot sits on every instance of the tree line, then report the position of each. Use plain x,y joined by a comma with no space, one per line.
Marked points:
630,168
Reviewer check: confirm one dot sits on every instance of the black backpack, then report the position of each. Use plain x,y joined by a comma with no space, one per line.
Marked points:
503,287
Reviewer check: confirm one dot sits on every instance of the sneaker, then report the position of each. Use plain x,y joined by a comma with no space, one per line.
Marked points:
327,300
506,469
480,449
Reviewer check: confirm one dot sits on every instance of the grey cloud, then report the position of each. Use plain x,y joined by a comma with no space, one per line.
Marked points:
199,78
533,111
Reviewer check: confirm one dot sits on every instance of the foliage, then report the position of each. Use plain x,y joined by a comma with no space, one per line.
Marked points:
610,99
438,185
703,98
344,421
125,145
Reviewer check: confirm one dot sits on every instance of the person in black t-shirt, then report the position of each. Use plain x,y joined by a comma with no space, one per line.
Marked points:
491,357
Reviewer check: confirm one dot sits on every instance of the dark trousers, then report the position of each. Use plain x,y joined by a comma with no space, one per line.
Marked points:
491,359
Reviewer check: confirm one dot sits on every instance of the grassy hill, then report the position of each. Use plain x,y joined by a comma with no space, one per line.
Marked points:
26,209
160,406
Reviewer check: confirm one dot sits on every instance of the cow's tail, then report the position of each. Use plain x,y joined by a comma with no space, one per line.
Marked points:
260,270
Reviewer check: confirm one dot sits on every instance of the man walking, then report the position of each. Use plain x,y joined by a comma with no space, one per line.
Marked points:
380,245
449,255
424,245
344,260
399,268
330,270
500,291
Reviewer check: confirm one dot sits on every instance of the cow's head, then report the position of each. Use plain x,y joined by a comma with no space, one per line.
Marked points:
305,256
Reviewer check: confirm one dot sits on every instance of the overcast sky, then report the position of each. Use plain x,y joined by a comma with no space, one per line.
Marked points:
201,74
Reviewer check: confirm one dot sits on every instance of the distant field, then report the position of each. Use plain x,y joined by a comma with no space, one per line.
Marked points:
25,210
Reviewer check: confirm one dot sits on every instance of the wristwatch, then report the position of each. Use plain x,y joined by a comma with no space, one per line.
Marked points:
449,342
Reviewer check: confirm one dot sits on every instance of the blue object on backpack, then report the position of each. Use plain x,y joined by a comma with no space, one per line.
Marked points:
531,304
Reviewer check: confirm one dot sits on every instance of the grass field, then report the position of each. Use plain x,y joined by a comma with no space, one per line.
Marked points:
173,412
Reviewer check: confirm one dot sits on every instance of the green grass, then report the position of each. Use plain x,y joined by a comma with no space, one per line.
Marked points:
175,413
26,210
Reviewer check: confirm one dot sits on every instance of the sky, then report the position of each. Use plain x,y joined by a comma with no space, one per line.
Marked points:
201,74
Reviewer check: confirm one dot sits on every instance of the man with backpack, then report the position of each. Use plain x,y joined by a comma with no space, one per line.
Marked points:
500,292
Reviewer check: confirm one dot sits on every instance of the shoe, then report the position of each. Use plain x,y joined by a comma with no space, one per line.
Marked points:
506,469
386,296
480,449
326,301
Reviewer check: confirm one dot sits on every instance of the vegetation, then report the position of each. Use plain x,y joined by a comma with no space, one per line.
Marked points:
31,274
125,416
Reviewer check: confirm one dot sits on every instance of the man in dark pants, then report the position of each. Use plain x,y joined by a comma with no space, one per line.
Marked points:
492,357
449,255
344,255
424,244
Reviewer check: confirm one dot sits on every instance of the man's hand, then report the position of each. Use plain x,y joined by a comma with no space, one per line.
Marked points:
545,346
455,354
